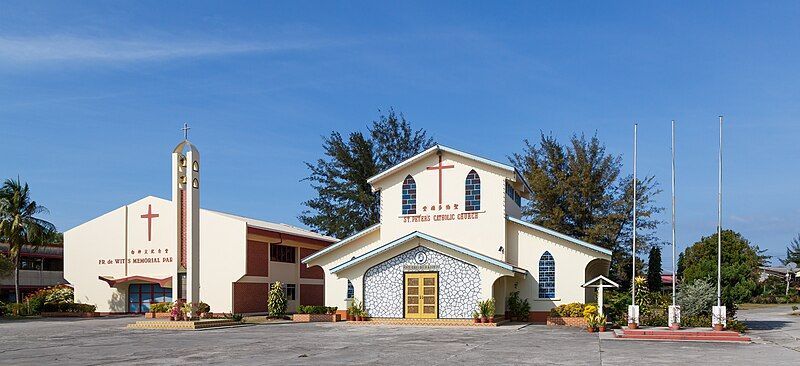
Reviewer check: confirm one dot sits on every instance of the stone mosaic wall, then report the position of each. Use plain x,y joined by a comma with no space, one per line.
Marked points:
459,284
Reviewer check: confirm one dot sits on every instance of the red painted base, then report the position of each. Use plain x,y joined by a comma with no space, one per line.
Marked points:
682,335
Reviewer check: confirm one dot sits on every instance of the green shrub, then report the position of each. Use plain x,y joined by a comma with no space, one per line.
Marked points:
573,310
161,307
59,294
697,298
15,309
35,304
332,310
276,304
315,309
234,317
518,308
736,325
68,307
203,308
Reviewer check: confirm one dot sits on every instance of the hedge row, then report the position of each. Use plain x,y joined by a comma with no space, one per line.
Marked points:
316,309
68,307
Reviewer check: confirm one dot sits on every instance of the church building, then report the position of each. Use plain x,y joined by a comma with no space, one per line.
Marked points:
451,234
158,250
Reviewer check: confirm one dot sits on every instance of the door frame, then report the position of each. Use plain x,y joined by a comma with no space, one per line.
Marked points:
438,291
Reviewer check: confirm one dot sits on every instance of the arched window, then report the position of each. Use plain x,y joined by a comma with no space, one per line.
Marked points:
409,196
547,276
351,292
472,192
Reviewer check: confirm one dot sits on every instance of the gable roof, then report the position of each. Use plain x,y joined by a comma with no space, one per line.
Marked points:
559,235
608,282
277,227
417,234
340,243
281,228
433,149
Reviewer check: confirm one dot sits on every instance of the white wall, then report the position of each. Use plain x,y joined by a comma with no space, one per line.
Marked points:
484,235
526,247
223,259
106,247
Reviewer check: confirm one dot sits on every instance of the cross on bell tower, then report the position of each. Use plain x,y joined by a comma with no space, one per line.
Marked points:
185,130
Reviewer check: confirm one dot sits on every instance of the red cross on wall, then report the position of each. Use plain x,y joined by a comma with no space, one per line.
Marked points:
149,216
440,167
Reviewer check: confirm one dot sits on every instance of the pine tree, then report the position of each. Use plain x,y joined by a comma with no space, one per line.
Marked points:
793,252
654,269
344,202
578,190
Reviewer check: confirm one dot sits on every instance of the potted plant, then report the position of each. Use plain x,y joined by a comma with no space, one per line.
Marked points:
591,323
476,318
176,313
483,311
718,326
364,315
490,310
188,311
600,322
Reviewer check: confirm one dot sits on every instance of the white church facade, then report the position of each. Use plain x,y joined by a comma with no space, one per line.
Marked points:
451,234
158,250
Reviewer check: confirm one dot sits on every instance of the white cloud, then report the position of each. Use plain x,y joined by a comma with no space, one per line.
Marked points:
60,48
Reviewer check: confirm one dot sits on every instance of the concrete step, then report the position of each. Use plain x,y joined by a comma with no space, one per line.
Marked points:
725,333
687,338
680,335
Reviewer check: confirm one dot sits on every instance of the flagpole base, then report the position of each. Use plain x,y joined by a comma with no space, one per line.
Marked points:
674,317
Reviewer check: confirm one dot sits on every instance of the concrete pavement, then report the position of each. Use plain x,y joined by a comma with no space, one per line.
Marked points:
105,341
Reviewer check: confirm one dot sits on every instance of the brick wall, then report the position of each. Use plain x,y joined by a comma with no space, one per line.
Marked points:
250,297
312,294
567,321
314,272
257,259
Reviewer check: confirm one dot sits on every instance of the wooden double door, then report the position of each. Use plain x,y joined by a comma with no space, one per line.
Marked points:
422,295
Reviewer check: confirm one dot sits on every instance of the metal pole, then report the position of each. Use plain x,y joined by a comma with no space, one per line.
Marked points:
673,212
633,251
719,221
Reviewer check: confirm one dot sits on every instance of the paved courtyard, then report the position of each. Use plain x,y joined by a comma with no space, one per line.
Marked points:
105,341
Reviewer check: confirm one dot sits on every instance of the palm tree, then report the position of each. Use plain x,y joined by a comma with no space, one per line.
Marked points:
18,226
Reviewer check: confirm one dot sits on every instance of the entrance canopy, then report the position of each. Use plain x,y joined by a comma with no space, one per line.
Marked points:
112,282
601,282
418,235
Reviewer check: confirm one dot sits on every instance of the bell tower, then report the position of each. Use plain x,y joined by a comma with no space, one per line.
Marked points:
186,200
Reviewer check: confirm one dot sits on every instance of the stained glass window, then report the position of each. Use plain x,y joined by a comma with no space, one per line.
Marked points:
547,276
409,196
472,192
351,292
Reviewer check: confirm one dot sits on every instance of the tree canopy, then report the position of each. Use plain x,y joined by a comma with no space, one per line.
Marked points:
344,202
19,224
654,269
579,190
740,265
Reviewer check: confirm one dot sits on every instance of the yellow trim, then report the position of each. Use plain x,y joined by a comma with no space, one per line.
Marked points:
421,295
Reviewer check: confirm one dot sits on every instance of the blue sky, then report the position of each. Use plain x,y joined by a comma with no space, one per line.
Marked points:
92,95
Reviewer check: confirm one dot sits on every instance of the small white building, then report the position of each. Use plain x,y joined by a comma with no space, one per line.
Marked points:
451,234
157,250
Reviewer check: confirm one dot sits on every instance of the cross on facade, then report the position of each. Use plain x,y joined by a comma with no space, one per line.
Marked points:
440,167
185,130
149,216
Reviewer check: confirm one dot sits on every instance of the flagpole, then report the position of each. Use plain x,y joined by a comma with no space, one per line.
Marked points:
673,212
633,251
719,220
